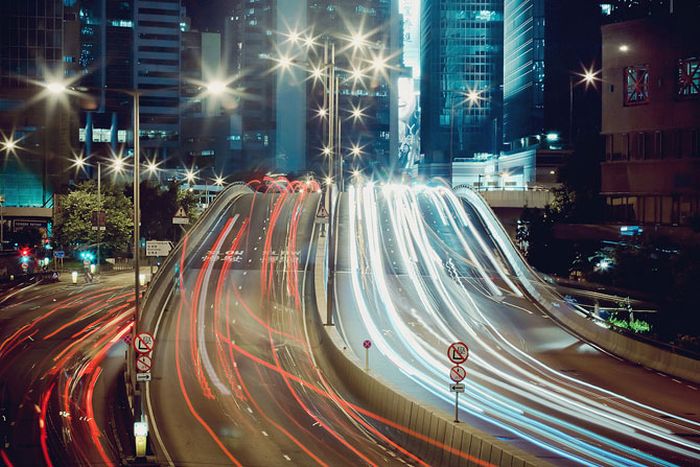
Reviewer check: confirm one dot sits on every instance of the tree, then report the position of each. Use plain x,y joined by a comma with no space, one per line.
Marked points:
578,200
73,224
159,205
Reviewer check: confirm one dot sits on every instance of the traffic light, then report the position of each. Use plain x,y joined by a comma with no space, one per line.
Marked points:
24,255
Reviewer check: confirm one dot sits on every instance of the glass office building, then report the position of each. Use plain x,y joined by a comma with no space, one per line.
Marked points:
523,70
462,53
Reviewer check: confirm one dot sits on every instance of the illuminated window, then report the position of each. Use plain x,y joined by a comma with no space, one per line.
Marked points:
689,77
636,85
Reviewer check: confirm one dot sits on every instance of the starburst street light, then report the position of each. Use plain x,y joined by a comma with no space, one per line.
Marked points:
355,150
473,97
56,87
321,112
9,145
190,176
216,87
219,180
326,151
589,77
151,167
118,165
357,113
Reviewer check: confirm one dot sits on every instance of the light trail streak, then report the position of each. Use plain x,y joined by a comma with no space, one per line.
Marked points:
411,218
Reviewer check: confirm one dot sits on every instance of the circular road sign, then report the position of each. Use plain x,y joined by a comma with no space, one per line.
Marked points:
458,352
143,363
457,373
367,344
144,342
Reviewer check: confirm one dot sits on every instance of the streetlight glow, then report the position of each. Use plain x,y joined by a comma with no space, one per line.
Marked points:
56,87
473,97
326,151
189,176
356,150
9,145
151,167
219,180
321,112
216,87
118,165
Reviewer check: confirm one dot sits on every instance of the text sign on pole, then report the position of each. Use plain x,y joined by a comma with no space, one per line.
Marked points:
60,254
458,353
144,343
158,247
457,373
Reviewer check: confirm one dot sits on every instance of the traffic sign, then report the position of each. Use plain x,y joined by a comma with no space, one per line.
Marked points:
143,376
181,217
457,373
457,387
367,344
144,342
158,247
59,254
458,352
143,363
25,266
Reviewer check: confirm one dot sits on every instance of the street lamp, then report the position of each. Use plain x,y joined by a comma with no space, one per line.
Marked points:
589,77
472,97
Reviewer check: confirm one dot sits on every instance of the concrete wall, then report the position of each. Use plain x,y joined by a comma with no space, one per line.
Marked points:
431,433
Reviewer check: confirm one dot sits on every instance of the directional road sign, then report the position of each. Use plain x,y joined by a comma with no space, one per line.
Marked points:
59,254
458,352
144,342
158,247
143,376
143,363
457,387
367,344
457,373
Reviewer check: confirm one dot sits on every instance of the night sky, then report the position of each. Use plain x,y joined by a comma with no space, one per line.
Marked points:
207,14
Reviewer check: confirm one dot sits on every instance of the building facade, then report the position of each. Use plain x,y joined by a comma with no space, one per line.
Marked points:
651,119
461,53
38,44
106,63
157,41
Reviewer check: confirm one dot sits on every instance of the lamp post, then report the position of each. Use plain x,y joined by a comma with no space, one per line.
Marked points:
589,77
472,97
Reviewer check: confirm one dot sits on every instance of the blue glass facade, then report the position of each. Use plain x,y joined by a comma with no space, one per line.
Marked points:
462,51
523,70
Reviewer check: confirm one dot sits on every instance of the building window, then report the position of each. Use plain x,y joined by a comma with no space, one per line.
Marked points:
689,77
636,85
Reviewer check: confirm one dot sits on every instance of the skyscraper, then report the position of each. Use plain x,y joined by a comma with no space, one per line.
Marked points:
462,63
523,68
157,43
38,43
106,63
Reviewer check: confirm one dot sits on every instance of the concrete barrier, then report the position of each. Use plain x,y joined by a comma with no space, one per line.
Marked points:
567,316
426,431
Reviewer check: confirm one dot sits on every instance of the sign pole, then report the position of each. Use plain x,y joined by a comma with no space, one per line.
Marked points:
367,344
456,407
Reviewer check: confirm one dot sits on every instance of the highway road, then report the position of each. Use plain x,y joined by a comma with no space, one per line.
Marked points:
235,379
419,268
61,355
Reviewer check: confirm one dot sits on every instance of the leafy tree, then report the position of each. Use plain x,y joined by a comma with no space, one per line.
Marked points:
578,200
159,205
73,224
